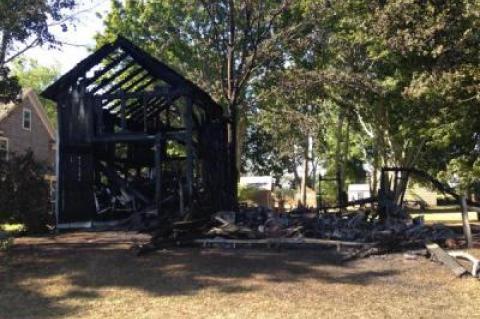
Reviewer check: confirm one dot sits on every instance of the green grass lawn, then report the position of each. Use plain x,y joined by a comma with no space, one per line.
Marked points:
443,214
12,229
95,275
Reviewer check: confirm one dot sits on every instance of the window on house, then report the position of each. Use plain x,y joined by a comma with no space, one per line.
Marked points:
27,119
3,148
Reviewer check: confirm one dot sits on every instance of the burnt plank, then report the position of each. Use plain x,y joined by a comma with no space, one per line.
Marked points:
446,259
119,84
112,77
107,68
78,71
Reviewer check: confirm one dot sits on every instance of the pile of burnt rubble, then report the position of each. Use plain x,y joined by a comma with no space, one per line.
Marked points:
363,231
358,234
362,225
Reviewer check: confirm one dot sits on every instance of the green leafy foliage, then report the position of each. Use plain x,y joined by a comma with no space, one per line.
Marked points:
31,74
25,24
196,37
24,193
404,73
390,82
5,241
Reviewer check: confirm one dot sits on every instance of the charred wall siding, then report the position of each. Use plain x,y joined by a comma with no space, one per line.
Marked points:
75,167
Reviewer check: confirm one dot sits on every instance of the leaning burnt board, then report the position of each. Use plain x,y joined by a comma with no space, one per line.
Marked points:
446,259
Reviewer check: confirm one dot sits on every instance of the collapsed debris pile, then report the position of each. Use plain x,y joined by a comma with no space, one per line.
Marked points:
363,226
378,225
364,230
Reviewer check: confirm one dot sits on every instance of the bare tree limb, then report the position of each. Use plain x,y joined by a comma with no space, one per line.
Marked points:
29,46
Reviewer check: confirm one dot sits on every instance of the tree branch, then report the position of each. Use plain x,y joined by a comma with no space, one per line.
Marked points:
32,44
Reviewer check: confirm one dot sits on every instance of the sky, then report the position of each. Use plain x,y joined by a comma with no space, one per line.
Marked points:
86,25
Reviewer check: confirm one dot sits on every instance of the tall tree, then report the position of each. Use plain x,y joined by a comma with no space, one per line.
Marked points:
425,58
220,45
405,74
25,24
408,72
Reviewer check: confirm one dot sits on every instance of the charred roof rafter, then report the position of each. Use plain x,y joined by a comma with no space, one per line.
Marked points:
131,89
118,53
107,68
110,79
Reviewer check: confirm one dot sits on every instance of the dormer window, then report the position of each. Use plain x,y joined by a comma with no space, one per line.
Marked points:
27,119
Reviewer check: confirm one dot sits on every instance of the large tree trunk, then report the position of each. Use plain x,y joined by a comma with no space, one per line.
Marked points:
375,169
233,152
303,187
232,105
241,136
378,151
339,160
3,49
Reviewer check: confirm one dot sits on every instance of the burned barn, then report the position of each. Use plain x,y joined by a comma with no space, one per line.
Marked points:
136,136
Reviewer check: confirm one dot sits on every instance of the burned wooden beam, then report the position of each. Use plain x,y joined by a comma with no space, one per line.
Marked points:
160,91
158,172
170,99
118,85
129,88
62,84
123,138
115,178
138,97
106,69
159,105
446,259
112,77
117,104
475,272
138,137
188,119
275,242
170,76
137,110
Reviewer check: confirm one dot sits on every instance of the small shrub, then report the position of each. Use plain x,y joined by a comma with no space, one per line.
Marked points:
13,229
246,193
5,241
24,192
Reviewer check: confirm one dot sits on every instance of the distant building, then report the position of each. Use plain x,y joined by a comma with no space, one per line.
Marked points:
24,126
415,193
259,182
258,190
358,191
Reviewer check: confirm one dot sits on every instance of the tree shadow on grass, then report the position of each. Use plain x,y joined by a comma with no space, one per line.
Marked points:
81,274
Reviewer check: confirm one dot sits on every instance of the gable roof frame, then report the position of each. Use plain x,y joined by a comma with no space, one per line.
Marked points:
153,66
79,70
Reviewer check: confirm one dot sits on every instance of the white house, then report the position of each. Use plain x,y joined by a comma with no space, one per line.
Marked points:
358,191
259,182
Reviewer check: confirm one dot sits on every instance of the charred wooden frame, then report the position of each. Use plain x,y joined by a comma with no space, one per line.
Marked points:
135,135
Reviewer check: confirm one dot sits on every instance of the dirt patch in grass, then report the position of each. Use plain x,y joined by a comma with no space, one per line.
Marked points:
94,275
